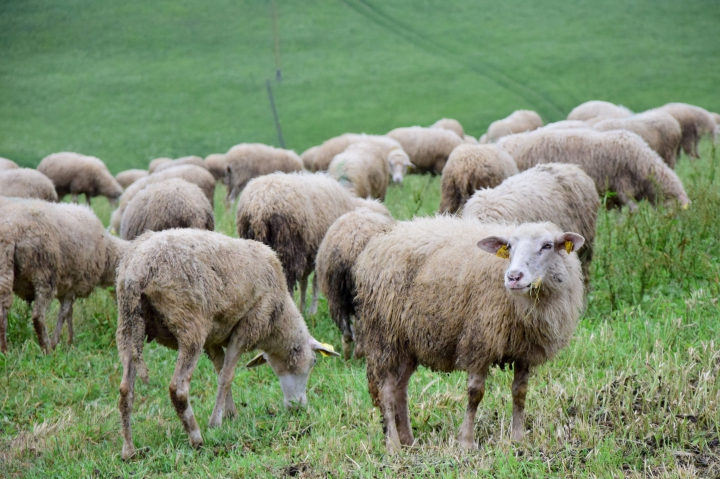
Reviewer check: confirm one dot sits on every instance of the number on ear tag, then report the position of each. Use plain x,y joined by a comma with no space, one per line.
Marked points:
503,252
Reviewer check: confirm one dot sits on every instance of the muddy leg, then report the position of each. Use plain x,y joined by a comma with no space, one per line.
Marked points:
347,343
519,390
188,356
402,415
476,391
64,314
40,305
303,291
314,301
127,393
217,355
232,355
388,387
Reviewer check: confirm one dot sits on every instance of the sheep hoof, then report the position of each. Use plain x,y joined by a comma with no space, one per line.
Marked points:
196,440
468,445
393,447
129,452
215,421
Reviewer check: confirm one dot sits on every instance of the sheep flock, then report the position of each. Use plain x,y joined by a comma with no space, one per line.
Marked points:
499,276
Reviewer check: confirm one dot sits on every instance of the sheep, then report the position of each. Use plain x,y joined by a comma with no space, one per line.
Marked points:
695,123
195,290
185,160
308,158
190,173
291,213
399,161
173,203
362,169
716,117
469,168
27,183
659,130
52,250
334,146
427,148
216,164
451,125
598,109
336,256
430,294
6,164
618,161
471,140
74,173
561,193
154,164
250,160
128,177
565,125
518,122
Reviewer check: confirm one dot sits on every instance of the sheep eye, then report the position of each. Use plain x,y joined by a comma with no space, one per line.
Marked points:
547,246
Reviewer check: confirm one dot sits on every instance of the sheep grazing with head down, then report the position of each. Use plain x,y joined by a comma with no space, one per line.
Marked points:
52,250
190,173
430,294
557,192
216,164
659,129
695,123
196,291
342,244
173,203
427,148
450,124
291,213
363,169
618,161
128,177
73,173
6,164
27,183
154,164
469,168
308,158
518,122
185,160
334,146
250,160
597,109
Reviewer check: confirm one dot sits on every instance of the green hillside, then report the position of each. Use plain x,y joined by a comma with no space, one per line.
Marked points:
131,80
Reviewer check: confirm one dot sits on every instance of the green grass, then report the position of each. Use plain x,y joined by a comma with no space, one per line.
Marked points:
636,392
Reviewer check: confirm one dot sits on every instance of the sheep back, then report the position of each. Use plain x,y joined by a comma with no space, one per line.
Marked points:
73,173
27,183
216,164
517,122
363,169
428,148
6,164
185,160
598,109
450,124
250,160
128,177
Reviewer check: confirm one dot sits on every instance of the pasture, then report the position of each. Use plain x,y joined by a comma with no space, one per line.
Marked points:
635,394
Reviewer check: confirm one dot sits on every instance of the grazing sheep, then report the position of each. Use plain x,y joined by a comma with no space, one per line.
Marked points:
195,290
430,294
334,146
342,244
618,161
598,109
695,123
471,140
250,160
308,158
451,125
185,160
291,213
74,173
427,148
518,122
469,168
6,164
27,183
565,125
483,140
52,250
557,192
362,169
154,164
190,173
216,164
173,203
716,117
128,177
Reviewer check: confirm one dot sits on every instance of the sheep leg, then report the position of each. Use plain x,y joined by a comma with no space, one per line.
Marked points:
476,391
314,301
217,356
402,415
387,405
40,305
74,198
232,355
347,342
188,356
519,390
3,328
127,393
64,314
303,290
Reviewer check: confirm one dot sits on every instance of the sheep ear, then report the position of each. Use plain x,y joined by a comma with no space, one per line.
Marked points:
495,245
408,163
258,360
569,242
323,348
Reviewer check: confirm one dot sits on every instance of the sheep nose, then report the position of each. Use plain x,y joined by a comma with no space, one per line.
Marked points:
397,179
514,276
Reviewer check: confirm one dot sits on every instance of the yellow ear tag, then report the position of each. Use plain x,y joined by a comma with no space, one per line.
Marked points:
686,206
503,252
569,246
330,348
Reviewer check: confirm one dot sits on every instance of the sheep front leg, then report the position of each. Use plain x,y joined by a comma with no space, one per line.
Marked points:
476,391
387,405
314,301
217,355
303,291
3,328
65,314
127,393
40,305
188,356
402,414
519,390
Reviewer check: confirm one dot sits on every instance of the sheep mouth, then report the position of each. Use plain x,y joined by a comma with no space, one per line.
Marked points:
519,288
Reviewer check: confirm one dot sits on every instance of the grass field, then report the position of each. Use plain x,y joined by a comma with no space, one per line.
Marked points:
636,393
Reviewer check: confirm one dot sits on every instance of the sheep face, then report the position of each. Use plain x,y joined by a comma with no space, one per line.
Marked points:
399,163
535,257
